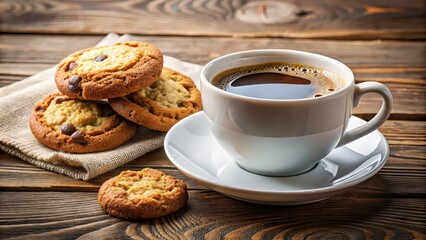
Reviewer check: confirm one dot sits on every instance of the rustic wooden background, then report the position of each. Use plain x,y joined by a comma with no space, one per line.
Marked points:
380,40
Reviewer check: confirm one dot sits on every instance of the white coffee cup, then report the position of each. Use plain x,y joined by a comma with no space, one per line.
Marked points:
285,137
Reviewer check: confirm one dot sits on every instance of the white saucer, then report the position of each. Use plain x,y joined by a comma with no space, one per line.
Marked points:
194,151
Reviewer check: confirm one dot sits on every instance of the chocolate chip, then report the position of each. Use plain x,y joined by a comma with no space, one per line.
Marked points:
100,58
39,108
72,66
73,84
68,129
317,95
331,89
79,137
59,100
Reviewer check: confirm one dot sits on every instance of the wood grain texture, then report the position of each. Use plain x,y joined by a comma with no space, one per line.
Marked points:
208,215
399,65
369,55
360,19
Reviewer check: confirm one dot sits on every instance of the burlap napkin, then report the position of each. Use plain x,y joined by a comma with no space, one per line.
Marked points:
17,101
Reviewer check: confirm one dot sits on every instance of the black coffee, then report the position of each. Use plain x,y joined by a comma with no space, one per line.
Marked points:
278,81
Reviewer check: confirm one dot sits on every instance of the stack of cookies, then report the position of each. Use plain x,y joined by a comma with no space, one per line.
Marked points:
106,92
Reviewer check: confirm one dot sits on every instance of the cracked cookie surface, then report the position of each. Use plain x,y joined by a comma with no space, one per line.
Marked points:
148,193
161,105
110,71
79,126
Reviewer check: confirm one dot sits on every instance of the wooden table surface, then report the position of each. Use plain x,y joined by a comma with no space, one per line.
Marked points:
381,41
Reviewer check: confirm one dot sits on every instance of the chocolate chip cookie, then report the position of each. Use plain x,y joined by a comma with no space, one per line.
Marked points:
79,126
148,193
110,71
159,106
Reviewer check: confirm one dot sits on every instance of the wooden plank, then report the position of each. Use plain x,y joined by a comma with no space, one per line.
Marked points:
403,174
209,215
39,49
364,55
399,65
361,19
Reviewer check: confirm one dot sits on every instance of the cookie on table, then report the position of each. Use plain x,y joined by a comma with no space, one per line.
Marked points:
161,105
110,71
148,193
79,126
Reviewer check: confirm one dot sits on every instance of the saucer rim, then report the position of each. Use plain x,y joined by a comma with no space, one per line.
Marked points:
321,190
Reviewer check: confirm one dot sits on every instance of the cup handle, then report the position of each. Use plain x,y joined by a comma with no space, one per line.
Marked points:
360,90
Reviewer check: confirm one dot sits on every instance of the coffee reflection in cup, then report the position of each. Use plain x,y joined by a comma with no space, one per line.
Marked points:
278,81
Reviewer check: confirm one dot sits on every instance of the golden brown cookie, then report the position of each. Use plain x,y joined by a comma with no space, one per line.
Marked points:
162,104
110,71
79,126
148,193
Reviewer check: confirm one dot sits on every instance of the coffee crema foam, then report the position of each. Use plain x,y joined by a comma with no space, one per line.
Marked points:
322,82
